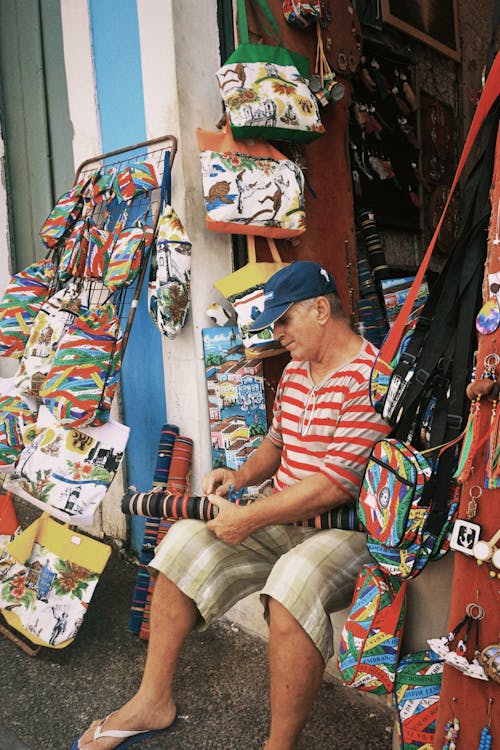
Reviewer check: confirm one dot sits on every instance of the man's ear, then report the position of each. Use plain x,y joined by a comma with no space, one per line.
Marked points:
323,308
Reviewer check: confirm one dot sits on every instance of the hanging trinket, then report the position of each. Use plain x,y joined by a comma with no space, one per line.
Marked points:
484,387
488,318
324,84
486,739
452,729
485,551
453,653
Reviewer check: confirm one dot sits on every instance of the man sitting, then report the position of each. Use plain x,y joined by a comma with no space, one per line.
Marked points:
322,431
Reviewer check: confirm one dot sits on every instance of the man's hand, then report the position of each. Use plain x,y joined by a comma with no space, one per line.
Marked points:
219,482
231,523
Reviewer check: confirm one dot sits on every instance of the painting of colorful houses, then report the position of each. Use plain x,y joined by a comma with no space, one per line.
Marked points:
236,400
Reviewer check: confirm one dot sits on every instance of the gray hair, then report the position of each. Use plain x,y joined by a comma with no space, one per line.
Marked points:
336,308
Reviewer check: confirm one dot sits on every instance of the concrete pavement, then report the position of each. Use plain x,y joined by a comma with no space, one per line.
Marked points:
222,687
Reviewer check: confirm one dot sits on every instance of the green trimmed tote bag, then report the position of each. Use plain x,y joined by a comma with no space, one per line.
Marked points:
265,87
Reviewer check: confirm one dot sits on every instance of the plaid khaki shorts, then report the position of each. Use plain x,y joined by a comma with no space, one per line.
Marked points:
311,572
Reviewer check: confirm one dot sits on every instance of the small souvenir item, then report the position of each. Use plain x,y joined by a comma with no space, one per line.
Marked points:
464,536
488,318
452,728
455,654
486,739
488,552
489,658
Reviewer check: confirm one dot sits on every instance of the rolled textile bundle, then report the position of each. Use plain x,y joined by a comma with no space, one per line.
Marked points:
161,503
168,434
165,505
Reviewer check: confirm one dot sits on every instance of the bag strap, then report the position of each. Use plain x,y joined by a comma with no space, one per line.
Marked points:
252,256
264,16
166,182
488,97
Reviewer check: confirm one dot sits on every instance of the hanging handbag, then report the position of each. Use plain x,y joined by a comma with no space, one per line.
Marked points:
416,698
371,636
79,387
135,179
170,274
265,88
69,208
170,270
405,508
22,299
244,289
67,471
250,188
50,581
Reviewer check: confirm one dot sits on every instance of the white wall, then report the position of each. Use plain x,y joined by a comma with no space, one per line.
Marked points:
180,55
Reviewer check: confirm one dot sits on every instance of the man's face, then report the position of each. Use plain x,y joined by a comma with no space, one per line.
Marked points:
296,332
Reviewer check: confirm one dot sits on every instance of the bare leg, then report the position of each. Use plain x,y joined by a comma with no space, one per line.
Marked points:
173,616
296,669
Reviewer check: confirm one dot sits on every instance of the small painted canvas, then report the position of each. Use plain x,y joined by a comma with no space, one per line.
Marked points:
236,400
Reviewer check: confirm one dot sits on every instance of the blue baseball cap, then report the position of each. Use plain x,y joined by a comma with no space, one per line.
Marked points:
302,279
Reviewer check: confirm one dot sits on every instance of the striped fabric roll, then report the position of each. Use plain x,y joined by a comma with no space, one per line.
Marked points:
174,507
180,466
165,448
170,506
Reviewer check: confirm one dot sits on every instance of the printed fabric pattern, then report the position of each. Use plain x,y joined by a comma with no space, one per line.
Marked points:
79,388
249,191
125,250
416,698
391,493
25,294
67,470
49,595
170,276
269,95
15,415
54,317
371,637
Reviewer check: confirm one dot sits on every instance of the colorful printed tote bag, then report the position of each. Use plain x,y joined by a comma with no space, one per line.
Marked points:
54,317
244,289
80,386
391,502
135,179
22,299
371,637
50,576
170,275
416,698
265,89
250,188
124,255
67,471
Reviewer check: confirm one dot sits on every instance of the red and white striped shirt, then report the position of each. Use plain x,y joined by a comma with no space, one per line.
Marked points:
328,427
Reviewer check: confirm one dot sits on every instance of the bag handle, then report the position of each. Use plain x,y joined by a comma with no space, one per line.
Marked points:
264,16
489,95
252,256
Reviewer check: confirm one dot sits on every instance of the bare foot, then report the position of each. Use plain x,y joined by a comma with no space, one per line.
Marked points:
127,718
